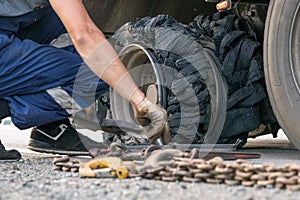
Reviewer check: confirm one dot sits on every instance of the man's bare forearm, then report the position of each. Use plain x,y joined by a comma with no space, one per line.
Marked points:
95,50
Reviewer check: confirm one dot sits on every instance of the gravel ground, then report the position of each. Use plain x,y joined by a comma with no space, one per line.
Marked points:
33,178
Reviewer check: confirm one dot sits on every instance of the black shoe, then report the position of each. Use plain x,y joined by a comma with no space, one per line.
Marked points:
61,139
9,154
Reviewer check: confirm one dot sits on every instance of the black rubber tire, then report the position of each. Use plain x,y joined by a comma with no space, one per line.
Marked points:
282,64
187,47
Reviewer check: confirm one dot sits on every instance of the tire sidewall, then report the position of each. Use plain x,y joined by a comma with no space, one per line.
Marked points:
282,88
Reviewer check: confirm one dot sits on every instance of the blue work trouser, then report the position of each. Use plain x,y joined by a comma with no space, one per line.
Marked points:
41,82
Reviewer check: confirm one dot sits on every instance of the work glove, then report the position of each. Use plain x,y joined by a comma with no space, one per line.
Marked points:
154,120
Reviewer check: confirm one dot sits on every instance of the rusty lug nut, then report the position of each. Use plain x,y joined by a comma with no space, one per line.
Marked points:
279,185
214,181
245,175
274,175
202,175
182,173
194,171
61,159
289,174
248,167
170,169
286,181
234,166
239,178
65,169
248,183
258,177
241,161
60,164
198,161
191,180
292,167
232,182
165,173
149,176
224,170
76,161
205,167
264,183
224,176
216,161
169,178
293,187
56,168
181,164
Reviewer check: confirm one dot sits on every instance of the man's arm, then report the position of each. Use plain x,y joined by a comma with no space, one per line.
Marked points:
95,50
101,58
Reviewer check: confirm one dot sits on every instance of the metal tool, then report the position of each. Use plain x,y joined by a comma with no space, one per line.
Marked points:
105,167
120,127
141,152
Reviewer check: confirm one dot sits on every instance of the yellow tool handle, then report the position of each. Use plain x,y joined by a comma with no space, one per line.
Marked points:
120,173
111,173
102,167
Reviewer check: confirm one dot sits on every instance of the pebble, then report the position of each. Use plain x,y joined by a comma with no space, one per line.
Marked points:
275,191
240,189
269,186
144,188
60,197
127,193
258,187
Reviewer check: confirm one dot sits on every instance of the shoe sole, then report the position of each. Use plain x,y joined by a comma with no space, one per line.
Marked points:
9,160
47,149
58,151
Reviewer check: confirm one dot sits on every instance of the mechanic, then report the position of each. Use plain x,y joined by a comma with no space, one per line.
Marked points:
42,85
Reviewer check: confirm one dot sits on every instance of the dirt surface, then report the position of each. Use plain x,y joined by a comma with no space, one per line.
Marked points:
32,177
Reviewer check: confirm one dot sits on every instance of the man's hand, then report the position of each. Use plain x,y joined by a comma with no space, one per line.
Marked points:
154,119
